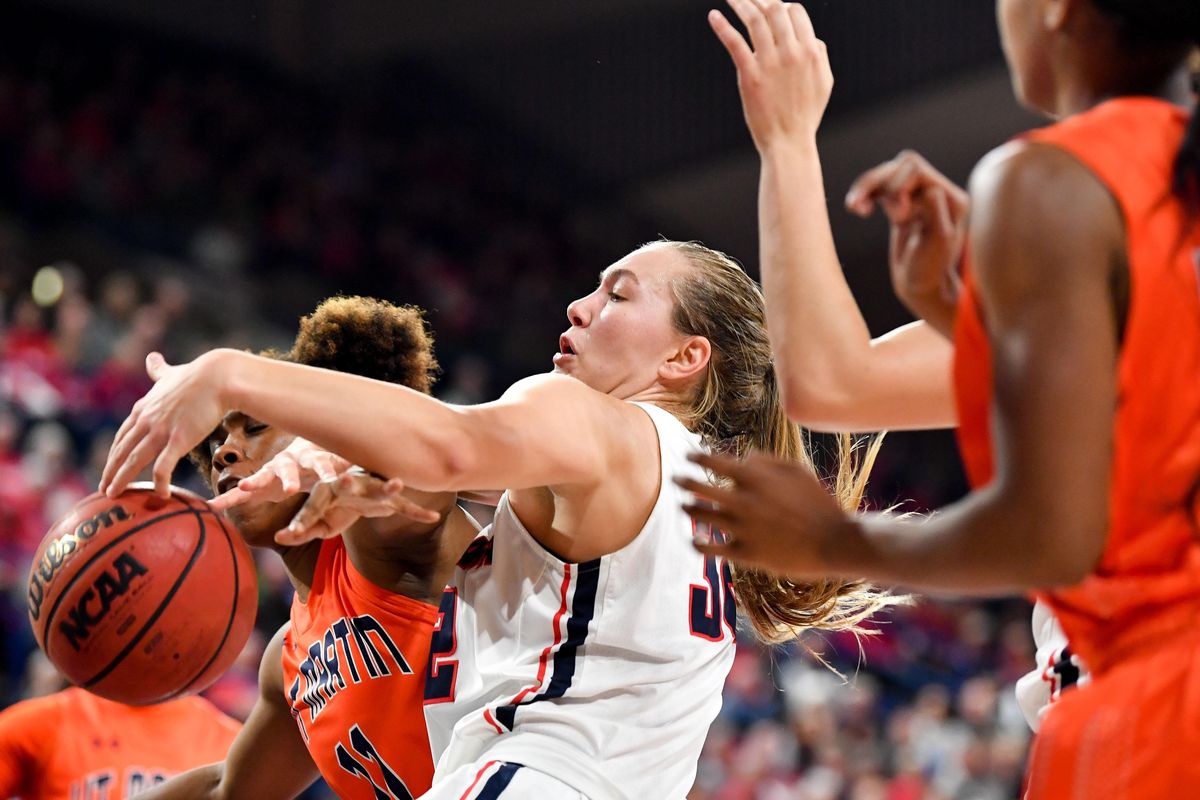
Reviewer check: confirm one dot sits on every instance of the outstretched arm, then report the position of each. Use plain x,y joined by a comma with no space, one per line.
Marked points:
267,759
1047,238
548,430
833,375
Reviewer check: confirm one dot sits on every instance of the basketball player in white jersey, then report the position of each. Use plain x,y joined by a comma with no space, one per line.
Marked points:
583,643
834,375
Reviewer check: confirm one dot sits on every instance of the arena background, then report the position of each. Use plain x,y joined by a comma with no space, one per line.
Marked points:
185,175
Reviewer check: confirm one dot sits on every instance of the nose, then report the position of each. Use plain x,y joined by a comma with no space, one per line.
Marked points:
578,313
228,454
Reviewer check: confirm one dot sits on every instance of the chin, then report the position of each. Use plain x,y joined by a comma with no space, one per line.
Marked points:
258,523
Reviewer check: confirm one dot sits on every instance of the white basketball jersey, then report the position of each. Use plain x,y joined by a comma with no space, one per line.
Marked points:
605,674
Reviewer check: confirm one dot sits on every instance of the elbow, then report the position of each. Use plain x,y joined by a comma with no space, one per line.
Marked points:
453,463
813,403
1071,552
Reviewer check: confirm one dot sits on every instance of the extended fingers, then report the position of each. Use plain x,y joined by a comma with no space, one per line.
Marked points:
140,447
234,497
756,22
734,43
724,497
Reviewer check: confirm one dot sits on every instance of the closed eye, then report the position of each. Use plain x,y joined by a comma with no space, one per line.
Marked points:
616,298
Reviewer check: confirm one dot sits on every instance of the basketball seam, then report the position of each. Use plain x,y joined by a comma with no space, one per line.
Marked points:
158,612
79,572
233,608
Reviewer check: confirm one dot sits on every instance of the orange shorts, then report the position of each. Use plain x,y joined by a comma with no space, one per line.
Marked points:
1132,734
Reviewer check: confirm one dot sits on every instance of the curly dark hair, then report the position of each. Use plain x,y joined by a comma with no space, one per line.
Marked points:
360,336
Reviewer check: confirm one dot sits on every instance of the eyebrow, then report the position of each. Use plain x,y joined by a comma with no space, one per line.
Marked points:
617,274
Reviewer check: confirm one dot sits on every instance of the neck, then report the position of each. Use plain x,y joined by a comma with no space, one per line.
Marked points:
1109,78
661,396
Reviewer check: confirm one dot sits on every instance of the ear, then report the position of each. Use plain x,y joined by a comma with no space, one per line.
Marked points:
689,360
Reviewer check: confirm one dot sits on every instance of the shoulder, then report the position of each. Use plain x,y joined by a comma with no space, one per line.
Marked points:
1037,212
1040,184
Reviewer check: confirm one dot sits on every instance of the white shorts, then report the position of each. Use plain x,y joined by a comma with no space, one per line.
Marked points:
487,780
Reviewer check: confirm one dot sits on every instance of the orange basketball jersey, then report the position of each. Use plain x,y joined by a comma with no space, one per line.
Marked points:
354,674
1146,588
73,745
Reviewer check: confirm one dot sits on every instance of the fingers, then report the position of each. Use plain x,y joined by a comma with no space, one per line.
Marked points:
716,517
164,466
751,15
735,45
407,508
261,481
118,452
893,182
779,22
722,466
802,27
156,366
234,497
288,472
139,448
726,498
314,508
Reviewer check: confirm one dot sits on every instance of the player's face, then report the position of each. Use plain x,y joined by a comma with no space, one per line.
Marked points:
622,332
239,446
1024,38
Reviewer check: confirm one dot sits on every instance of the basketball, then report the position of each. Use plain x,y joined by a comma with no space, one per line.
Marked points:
140,599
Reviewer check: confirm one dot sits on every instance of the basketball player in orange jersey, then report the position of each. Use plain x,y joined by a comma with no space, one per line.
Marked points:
1077,345
341,684
583,649
73,745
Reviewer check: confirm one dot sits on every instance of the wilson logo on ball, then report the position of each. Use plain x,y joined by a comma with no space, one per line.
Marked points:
94,604
60,550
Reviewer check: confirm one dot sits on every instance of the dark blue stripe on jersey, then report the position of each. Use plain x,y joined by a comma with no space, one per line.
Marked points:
583,609
498,782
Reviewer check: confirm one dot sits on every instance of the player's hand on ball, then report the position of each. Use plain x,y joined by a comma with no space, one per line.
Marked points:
182,407
775,514
294,470
783,73
334,504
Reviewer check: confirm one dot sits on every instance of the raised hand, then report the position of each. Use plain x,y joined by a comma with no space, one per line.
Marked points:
928,216
783,73
294,470
334,504
776,515
182,407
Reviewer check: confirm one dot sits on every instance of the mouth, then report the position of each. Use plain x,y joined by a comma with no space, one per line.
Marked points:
227,482
564,346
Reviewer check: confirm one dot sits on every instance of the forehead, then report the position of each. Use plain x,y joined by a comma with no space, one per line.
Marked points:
652,267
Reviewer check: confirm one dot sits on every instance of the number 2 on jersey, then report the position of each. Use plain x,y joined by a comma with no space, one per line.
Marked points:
443,669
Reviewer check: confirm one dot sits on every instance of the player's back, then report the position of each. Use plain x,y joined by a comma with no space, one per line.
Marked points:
74,745
1147,584
606,674
353,663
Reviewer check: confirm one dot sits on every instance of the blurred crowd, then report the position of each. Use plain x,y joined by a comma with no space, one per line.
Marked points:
160,199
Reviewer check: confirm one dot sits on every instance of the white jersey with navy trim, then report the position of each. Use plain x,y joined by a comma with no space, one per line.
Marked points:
605,674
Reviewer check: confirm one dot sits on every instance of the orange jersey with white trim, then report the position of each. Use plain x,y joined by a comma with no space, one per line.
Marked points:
354,675
1147,584
73,745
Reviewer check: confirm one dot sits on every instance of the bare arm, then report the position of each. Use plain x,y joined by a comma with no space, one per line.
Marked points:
832,374
1047,239
267,759
565,433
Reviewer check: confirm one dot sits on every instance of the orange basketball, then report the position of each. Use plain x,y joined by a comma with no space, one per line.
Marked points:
138,599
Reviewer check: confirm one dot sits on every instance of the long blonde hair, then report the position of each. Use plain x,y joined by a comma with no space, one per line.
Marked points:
738,408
